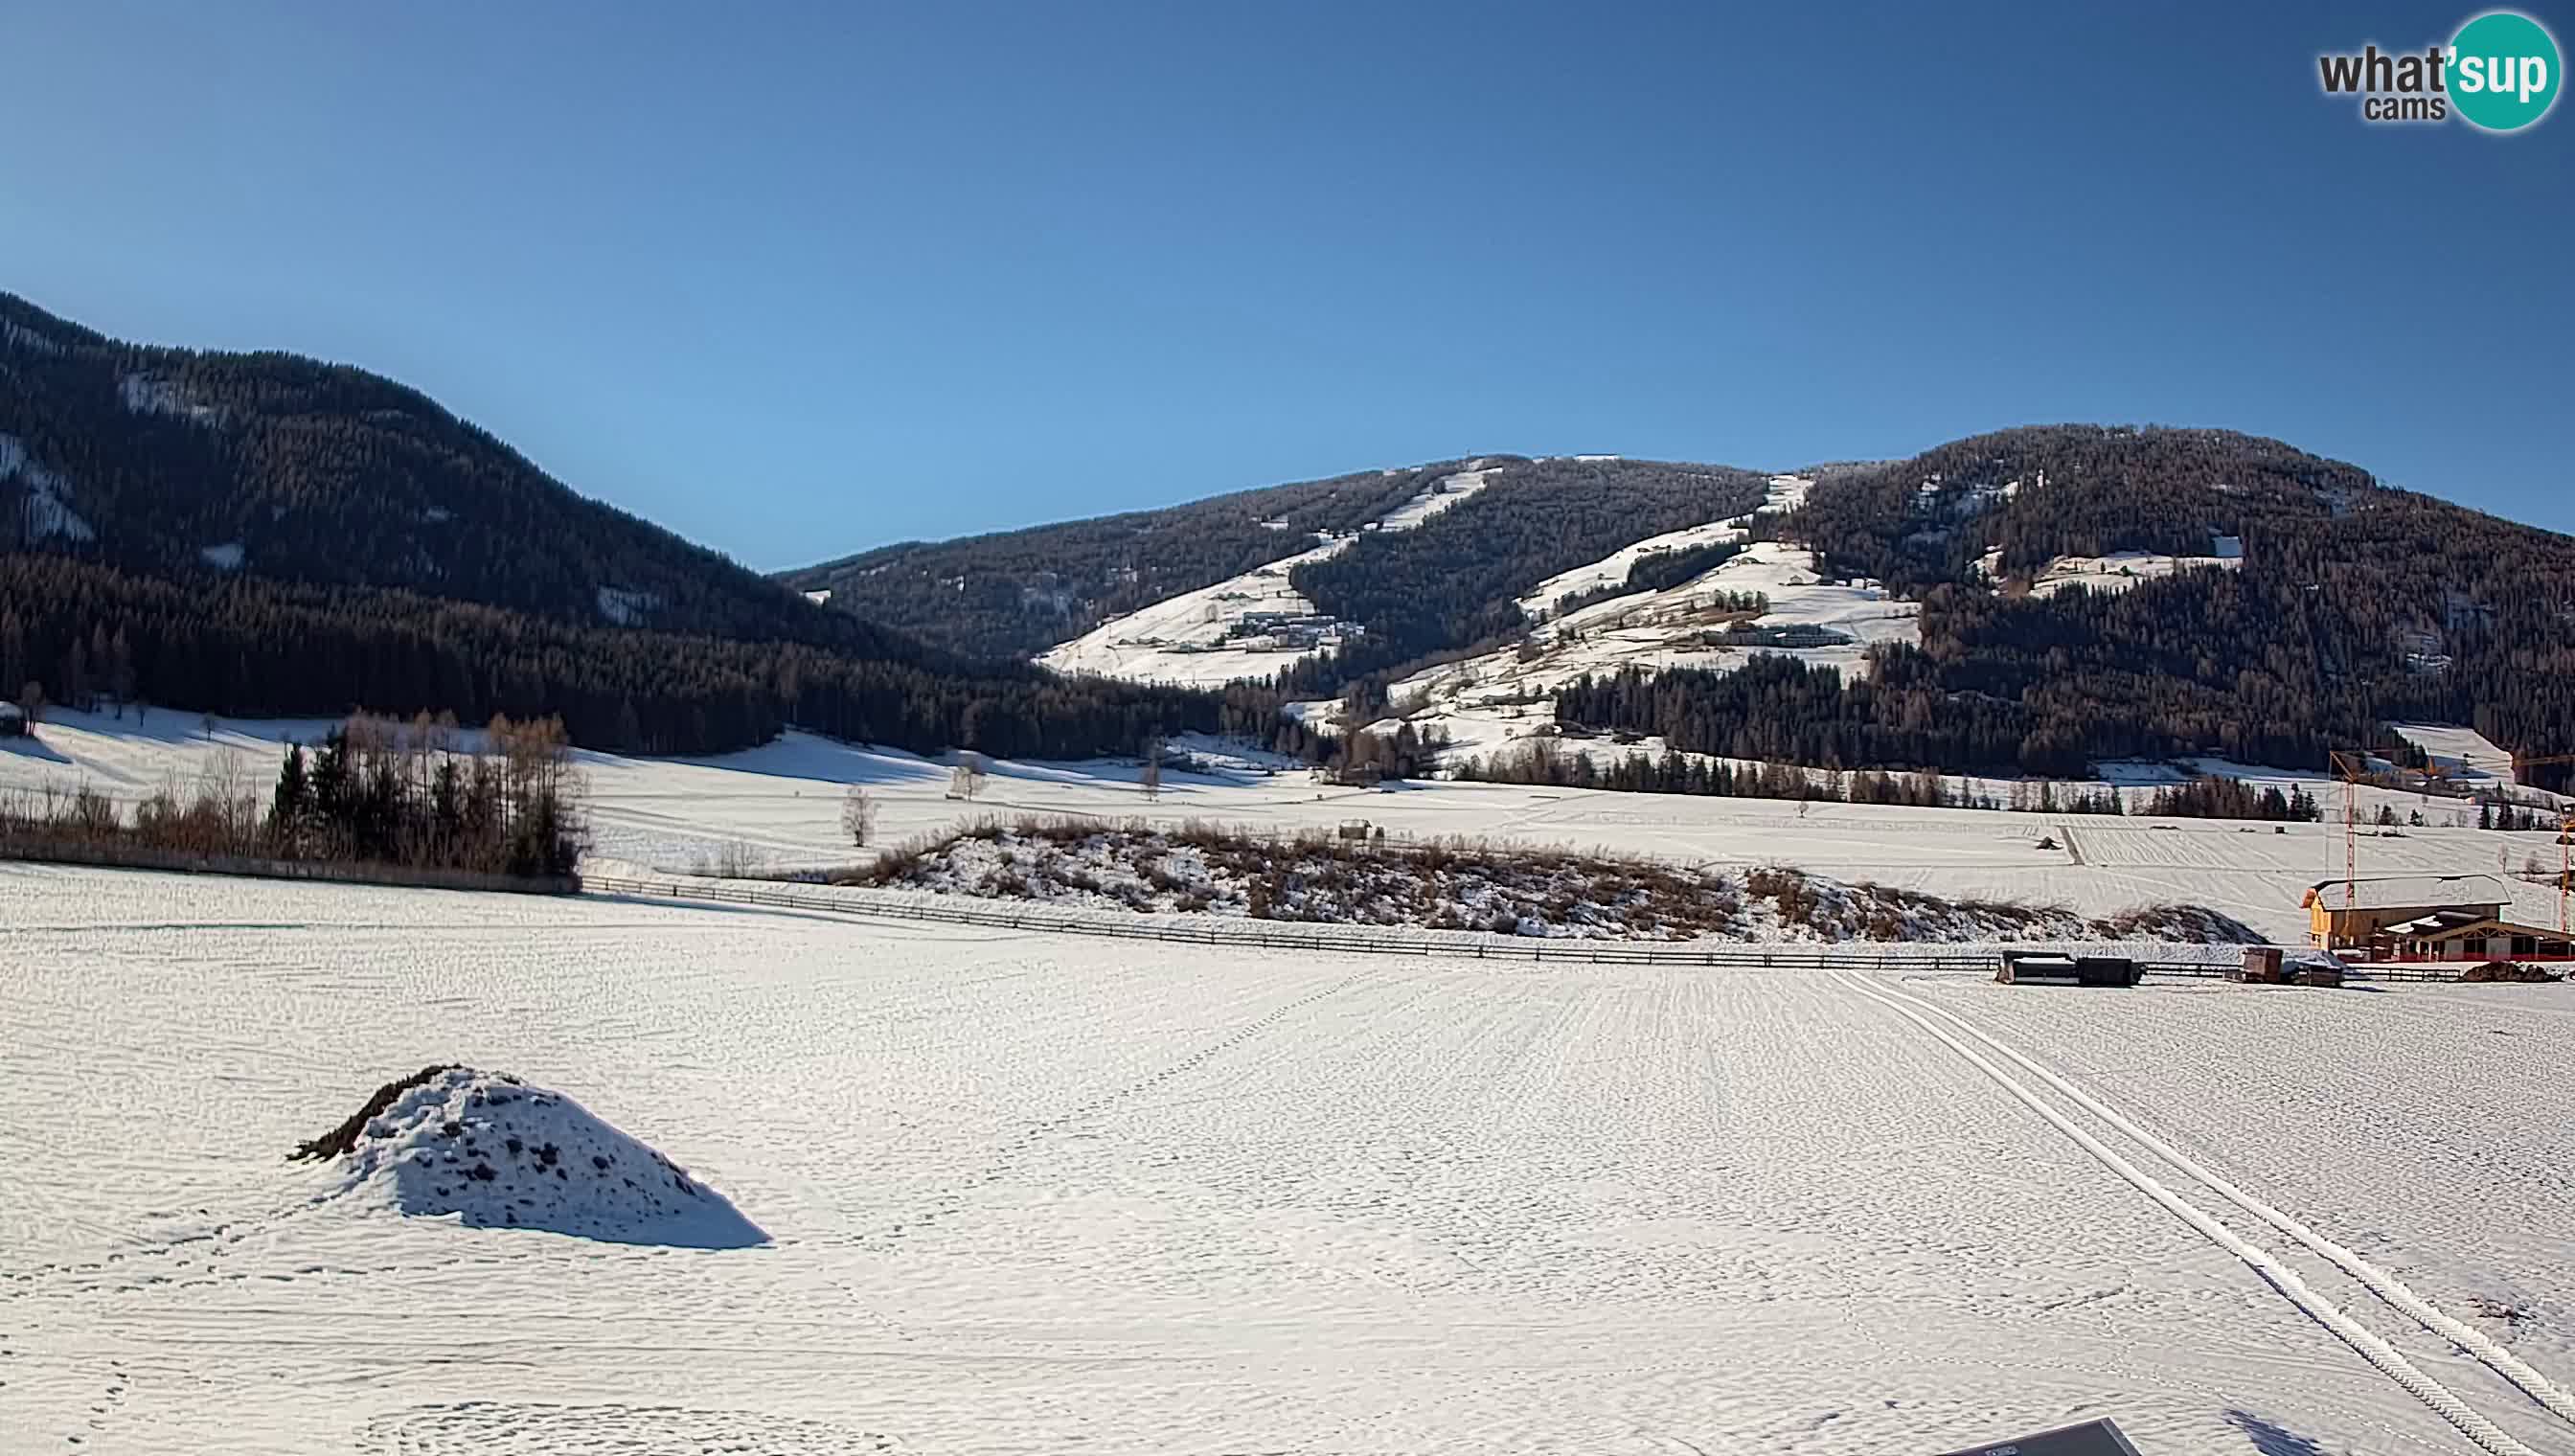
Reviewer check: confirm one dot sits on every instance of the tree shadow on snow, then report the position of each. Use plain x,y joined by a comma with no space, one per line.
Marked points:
2270,1439
28,745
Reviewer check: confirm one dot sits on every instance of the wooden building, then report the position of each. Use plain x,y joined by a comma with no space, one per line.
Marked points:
2459,935
2348,914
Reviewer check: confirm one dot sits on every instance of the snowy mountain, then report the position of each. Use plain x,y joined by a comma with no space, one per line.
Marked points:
182,462
265,534
2034,600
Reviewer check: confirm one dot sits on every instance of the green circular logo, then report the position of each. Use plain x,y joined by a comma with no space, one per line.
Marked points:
2504,71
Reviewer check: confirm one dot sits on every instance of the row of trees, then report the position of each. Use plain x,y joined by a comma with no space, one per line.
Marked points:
1548,761
1552,761
248,647
2229,798
422,794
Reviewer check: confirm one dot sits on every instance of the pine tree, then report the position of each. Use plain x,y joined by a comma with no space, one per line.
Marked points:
292,806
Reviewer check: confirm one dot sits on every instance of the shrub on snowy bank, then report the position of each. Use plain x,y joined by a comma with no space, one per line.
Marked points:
1461,885
372,791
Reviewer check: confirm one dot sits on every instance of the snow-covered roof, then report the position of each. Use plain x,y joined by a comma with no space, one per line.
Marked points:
2409,891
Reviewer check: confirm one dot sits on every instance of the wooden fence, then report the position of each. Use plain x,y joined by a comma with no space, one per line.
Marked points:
1289,935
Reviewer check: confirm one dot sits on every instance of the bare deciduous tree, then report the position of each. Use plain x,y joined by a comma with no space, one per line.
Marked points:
858,815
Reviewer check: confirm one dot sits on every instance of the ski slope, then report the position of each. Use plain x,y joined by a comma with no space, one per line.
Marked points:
1250,625
1483,702
1815,620
1030,1196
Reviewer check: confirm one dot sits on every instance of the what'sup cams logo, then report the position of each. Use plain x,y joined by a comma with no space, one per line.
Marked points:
2500,73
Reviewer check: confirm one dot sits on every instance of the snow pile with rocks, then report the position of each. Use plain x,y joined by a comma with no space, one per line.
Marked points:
1509,889
491,1151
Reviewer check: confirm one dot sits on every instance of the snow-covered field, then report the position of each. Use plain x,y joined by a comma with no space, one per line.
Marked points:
1022,1194
2459,754
779,806
2120,571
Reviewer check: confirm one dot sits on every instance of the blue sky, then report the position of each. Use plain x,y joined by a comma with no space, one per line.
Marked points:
797,279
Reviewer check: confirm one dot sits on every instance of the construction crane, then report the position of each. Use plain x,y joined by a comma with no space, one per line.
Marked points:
2522,763
2353,769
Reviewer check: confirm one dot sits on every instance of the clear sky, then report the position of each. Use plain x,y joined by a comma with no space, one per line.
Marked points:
795,278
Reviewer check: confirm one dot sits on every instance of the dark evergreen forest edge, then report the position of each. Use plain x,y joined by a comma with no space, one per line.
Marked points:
390,557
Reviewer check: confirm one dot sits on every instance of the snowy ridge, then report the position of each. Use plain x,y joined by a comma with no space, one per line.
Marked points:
1249,625
491,1151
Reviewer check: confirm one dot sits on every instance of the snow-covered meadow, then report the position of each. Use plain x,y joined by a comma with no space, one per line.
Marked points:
776,807
1021,1193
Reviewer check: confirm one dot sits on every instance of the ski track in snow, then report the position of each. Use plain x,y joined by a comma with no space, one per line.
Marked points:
2364,1340
1027,1194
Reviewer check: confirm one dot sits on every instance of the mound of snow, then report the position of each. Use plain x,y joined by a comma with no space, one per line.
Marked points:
493,1151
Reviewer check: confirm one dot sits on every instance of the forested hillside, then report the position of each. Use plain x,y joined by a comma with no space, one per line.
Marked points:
1456,580
1018,592
76,633
188,464
2355,605
259,534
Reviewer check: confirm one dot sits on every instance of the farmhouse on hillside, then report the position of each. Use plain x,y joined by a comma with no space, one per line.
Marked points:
2423,917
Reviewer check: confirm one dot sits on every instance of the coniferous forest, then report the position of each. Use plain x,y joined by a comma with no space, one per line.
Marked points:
261,535
2354,606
